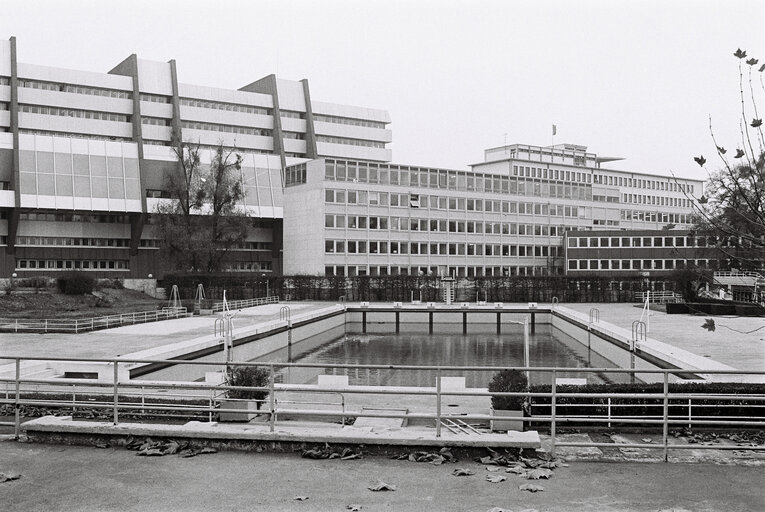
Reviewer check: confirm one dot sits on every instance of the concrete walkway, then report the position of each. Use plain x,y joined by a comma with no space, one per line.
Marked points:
77,478
120,341
725,345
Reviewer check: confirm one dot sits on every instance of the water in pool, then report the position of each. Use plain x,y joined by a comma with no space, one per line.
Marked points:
547,348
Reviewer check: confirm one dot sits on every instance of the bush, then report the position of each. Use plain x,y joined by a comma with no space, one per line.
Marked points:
76,283
250,376
644,407
37,282
508,381
116,283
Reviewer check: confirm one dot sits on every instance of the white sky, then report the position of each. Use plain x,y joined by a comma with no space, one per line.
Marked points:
636,79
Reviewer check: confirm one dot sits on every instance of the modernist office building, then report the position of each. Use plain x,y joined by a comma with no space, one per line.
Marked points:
507,215
83,160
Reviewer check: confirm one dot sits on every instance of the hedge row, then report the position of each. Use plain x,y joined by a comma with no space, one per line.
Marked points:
584,406
400,288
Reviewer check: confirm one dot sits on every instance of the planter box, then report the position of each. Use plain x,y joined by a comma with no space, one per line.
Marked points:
246,410
507,420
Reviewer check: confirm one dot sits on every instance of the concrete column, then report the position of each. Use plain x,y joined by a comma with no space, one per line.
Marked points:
13,215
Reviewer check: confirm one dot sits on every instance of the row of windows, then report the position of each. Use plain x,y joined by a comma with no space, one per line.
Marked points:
350,142
462,204
657,241
254,246
74,217
5,185
348,120
74,242
4,80
438,249
69,112
72,264
393,270
293,135
620,181
551,174
156,121
149,243
295,175
154,98
441,225
645,265
75,89
4,106
679,202
291,114
384,174
72,135
231,107
244,130
248,266
642,216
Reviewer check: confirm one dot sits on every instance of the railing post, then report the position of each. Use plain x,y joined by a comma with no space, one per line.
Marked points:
552,416
92,327
17,406
116,379
46,325
690,416
609,412
665,433
438,402
271,399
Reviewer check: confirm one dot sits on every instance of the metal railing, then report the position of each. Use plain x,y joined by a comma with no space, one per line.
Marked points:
21,392
661,297
246,303
78,325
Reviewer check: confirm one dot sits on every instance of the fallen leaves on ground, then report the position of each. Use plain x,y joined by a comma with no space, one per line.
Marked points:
443,455
492,469
536,474
300,498
531,487
7,477
463,472
150,448
379,485
328,453
353,508
495,479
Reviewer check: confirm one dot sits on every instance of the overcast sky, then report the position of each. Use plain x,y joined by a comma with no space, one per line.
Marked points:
636,79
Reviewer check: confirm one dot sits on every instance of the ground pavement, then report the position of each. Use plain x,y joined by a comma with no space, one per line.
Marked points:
75,478
732,342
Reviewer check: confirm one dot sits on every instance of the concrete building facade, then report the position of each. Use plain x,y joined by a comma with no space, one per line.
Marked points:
83,158
507,215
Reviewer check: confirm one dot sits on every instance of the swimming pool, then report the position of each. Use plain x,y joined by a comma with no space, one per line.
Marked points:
548,347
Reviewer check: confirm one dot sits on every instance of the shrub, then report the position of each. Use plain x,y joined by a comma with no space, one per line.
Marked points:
76,283
116,283
250,376
38,282
508,381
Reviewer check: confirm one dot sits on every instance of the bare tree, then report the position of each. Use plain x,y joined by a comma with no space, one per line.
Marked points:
202,221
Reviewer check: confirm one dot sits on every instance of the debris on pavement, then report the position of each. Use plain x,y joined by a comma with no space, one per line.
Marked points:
379,485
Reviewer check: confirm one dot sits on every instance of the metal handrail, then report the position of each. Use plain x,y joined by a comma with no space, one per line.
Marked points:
246,303
120,389
77,325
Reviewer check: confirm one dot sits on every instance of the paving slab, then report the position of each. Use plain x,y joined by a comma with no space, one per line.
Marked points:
114,479
731,343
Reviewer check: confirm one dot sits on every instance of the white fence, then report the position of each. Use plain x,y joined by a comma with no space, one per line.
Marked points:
79,325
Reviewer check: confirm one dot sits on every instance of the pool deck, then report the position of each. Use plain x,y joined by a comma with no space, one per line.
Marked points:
129,340
171,337
725,345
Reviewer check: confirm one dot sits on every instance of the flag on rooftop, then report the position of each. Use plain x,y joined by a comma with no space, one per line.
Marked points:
555,129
